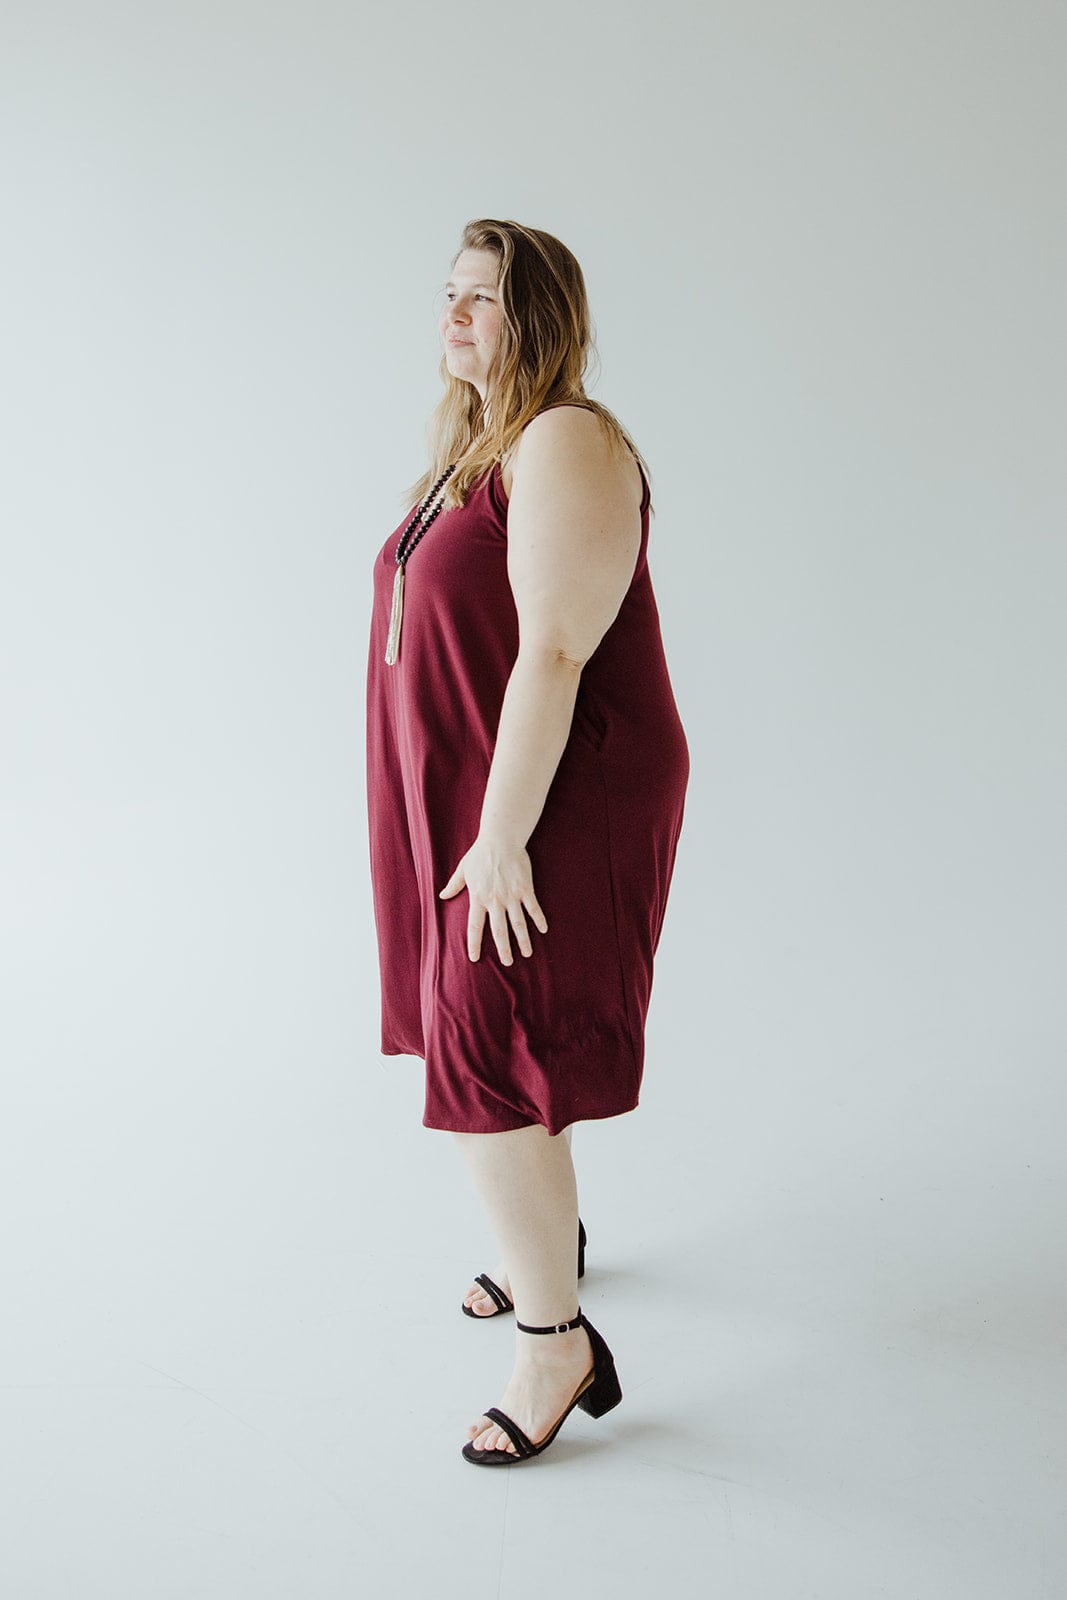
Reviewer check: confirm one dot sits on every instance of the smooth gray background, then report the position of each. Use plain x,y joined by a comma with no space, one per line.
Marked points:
824,245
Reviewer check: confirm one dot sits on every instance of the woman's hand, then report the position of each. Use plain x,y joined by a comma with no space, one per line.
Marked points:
499,881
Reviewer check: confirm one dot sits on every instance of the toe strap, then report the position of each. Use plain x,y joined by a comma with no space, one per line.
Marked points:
494,1291
522,1444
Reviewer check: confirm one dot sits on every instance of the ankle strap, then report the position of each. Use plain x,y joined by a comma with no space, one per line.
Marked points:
556,1327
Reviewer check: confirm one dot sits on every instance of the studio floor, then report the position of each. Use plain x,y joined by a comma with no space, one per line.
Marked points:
239,1369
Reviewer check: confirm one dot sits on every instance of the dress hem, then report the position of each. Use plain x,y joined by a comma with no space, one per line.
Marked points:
592,1116
588,1116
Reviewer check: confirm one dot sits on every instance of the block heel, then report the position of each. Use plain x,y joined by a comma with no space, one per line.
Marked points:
605,1391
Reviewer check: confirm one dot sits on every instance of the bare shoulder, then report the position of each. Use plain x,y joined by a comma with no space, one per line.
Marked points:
569,443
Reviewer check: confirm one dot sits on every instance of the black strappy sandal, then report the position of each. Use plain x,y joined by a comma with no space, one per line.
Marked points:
496,1293
598,1392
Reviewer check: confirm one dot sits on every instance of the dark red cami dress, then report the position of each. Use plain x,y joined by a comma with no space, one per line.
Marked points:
557,1037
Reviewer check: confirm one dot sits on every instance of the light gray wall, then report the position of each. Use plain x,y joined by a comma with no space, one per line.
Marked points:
825,251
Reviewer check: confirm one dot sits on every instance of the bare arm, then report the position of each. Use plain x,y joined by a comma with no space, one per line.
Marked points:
574,531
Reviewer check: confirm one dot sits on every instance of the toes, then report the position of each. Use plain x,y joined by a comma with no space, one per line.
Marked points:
488,1436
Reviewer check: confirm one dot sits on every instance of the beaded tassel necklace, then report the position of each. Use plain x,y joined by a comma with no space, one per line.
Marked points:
410,537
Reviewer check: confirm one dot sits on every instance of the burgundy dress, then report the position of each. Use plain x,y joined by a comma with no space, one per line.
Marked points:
558,1036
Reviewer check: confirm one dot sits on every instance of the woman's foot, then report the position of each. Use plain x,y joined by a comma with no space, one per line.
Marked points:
481,1301
542,1385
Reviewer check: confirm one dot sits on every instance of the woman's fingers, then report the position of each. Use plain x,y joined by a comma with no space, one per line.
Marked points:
498,922
475,925
533,907
498,926
454,884
522,933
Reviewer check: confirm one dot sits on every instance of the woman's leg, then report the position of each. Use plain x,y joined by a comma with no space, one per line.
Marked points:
526,1181
480,1302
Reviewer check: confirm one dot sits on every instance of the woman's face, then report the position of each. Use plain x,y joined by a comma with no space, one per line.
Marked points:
470,318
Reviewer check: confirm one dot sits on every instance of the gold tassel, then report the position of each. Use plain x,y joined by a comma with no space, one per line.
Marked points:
392,643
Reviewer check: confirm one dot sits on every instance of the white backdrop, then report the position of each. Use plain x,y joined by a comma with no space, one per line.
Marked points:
824,246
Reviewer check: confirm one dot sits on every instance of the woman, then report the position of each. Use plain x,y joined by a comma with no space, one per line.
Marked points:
526,778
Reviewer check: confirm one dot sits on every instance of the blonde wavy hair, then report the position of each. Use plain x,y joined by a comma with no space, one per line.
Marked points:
546,339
